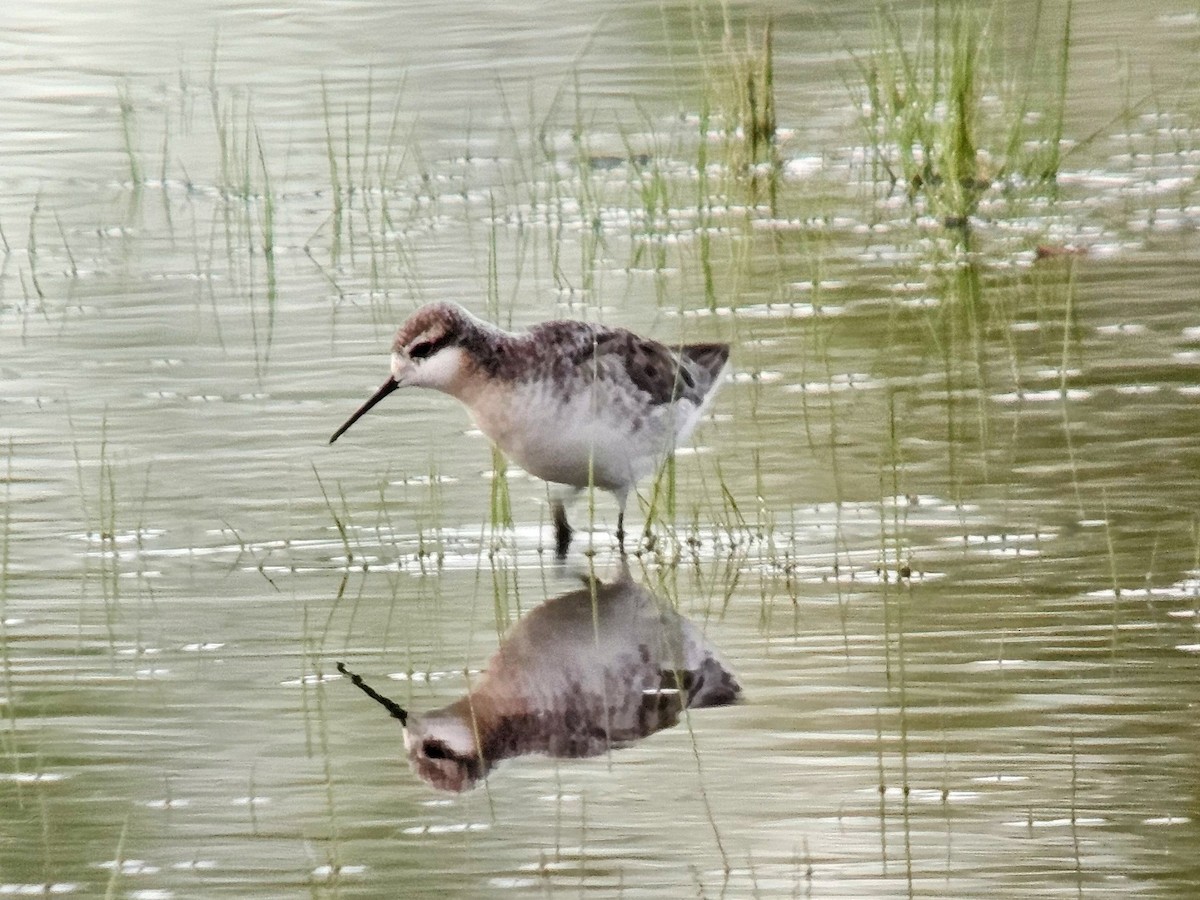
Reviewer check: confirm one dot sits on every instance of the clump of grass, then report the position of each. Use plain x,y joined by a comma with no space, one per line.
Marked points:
367,158
128,128
336,192
118,863
506,597
661,507
743,98
266,221
923,108
6,522
66,246
243,179
342,523
430,540
31,250
101,525
233,122
591,236
500,507
8,739
653,205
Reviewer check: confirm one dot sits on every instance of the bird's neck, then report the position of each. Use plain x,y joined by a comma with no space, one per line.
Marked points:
489,356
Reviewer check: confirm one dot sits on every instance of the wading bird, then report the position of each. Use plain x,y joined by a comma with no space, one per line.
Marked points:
572,403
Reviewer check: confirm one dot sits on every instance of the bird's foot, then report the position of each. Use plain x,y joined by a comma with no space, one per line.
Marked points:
649,540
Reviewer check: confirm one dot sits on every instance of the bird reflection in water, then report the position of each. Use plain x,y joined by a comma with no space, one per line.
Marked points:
593,669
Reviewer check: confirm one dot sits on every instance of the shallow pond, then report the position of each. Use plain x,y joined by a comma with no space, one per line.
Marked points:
941,526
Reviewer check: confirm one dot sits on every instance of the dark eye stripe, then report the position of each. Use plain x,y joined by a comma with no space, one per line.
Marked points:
428,348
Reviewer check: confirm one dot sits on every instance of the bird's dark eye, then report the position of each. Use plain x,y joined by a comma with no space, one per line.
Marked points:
423,349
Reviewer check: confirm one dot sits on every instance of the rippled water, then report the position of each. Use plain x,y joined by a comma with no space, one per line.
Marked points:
941,526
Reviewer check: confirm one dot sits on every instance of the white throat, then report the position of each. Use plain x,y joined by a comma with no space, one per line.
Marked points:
442,371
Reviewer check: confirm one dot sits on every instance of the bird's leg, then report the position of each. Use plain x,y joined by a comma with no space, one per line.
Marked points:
621,498
562,529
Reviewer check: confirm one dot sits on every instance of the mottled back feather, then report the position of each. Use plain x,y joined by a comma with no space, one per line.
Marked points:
576,350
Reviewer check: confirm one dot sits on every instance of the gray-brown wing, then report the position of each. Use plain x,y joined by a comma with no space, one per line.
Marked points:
574,350
665,375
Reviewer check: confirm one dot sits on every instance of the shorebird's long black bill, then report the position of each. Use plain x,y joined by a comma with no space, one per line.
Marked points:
386,388
397,711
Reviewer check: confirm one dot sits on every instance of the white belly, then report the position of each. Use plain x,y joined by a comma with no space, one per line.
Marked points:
609,441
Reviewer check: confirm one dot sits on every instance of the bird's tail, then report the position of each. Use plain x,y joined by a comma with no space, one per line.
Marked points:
708,360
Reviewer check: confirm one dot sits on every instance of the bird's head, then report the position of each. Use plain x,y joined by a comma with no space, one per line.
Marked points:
443,749
427,352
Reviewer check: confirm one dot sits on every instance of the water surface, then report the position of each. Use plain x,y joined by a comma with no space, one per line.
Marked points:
941,525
